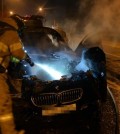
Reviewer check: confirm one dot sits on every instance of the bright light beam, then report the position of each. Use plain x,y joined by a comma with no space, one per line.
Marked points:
54,73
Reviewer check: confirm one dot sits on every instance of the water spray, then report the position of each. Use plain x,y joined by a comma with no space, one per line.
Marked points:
56,75
82,66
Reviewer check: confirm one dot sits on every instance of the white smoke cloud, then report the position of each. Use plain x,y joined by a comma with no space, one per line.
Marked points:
101,17
105,16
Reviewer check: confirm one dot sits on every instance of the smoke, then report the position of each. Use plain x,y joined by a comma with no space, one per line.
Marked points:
55,64
82,66
104,16
50,66
98,18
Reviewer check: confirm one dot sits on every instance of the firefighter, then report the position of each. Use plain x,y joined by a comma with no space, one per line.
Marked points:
10,45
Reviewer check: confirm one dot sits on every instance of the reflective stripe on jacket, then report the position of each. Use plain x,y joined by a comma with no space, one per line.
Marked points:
10,45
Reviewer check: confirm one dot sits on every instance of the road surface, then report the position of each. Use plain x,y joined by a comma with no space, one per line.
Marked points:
112,50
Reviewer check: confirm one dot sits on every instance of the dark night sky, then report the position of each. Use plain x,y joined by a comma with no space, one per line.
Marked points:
75,16
59,11
31,5
59,8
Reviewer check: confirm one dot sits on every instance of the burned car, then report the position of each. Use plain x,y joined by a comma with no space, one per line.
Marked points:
62,82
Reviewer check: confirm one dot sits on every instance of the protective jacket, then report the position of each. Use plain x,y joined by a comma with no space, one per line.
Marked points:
10,44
